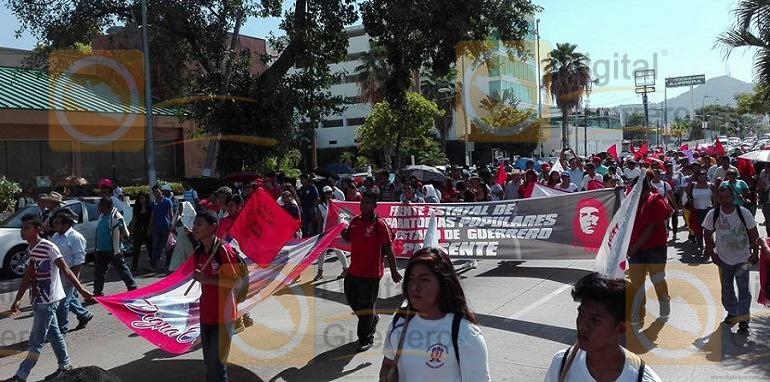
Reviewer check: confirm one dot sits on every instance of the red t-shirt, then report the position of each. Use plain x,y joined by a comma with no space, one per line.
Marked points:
214,299
654,212
366,242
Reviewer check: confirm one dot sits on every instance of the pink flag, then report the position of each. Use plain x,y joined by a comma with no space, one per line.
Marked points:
263,227
164,316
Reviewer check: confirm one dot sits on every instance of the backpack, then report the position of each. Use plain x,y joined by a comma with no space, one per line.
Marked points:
455,331
717,210
241,267
632,358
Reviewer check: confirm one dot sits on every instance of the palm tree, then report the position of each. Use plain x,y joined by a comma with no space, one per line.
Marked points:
441,90
348,158
371,74
500,99
567,78
752,30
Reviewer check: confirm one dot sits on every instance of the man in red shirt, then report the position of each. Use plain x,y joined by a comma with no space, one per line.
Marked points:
647,252
216,270
369,239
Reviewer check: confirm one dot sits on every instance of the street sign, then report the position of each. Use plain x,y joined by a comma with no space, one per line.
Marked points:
644,77
673,82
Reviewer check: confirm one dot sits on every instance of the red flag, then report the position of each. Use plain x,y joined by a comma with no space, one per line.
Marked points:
686,147
263,227
720,150
696,146
632,148
745,168
642,152
613,150
501,175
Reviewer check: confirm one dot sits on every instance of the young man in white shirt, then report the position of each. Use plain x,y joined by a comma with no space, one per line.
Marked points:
601,324
72,246
736,246
44,279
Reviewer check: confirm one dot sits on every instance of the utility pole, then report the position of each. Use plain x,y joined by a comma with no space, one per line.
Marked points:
645,83
150,134
585,130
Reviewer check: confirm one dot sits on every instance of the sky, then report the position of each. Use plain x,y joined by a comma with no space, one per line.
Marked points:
675,37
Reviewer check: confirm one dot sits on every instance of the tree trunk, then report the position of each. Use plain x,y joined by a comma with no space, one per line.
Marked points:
398,150
565,128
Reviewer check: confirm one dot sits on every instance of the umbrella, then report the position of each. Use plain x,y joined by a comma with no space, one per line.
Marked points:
757,156
423,173
338,168
521,163
241,177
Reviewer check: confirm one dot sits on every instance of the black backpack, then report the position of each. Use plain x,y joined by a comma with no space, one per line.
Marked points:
717,210
455,331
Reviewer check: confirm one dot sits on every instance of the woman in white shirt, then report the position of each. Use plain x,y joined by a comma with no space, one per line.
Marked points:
700,194
442,340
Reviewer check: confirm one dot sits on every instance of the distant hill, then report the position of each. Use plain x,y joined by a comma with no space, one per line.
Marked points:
719,90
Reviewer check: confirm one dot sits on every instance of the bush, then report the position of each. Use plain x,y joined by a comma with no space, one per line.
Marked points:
9,192
133,191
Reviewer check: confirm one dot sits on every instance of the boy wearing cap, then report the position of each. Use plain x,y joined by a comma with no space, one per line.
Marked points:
566,183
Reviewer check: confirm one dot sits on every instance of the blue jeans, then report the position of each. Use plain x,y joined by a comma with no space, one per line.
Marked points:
728,275
159,239
70,303
44,326
215,345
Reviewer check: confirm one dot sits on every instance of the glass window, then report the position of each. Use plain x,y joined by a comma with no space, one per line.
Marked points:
77,209
26,160
332,123
356,121
93,211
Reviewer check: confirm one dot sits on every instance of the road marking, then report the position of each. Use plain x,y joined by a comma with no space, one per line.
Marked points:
539,302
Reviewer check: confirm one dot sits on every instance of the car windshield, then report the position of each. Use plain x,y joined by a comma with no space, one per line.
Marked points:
14,221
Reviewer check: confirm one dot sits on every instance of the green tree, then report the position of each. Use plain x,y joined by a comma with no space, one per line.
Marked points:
195,33
420,34
440,89
567,79
752,31
370,75
752,102
387,129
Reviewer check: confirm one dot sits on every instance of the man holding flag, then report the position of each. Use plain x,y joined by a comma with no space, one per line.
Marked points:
216,270
370,241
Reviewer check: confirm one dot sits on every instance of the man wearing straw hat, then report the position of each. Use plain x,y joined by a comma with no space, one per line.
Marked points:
52,204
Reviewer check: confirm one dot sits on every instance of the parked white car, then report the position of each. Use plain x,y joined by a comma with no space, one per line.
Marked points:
13,248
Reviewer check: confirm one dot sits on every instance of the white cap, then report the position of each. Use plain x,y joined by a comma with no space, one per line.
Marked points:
327,189
165,187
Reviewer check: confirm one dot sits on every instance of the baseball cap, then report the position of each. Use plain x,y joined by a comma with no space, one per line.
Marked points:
565,173
327,189
165,187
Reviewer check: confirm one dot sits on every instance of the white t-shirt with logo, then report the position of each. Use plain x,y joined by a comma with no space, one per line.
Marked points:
429,353
46,286
732,238
578,371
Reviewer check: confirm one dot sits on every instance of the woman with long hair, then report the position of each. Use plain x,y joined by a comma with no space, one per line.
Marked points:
554,178
140,222
444,341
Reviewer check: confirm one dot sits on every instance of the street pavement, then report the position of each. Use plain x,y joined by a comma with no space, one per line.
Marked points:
524,308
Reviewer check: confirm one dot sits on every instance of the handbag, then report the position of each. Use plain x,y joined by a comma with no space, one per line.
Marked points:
391,375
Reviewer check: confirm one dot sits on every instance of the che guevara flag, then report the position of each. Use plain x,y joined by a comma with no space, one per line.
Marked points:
163,315
262,227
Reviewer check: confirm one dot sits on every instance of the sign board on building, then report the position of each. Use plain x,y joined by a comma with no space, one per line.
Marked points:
673,82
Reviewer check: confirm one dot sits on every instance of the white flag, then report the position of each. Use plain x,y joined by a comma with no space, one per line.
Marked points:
540,191
557,167
611,259
432,234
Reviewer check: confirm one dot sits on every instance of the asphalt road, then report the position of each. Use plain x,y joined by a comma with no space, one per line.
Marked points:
525,310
